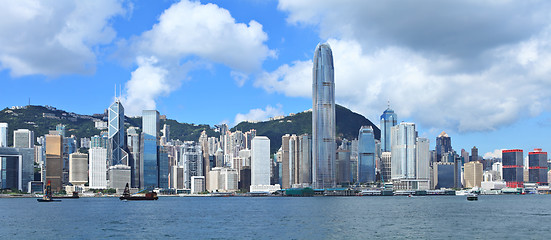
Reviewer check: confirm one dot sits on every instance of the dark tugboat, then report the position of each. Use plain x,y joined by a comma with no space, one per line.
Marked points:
127,196
48,195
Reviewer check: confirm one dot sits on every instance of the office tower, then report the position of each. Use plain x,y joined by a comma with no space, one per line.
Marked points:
197,184
177,178
223,179
388,120
85,142
513,168
366,155
464,156
474,154
192,159
119,176
245,178
204,143
473,174
498,168
16,168
23,138
116,132
386,158
219,156
133,146
260,161
97,168
166,133
78,168
444,174
3,134
150,140
537,166
443,145
293,159
163,166
422,149
403,151
323,119
305,159
343,167
285,164
54,161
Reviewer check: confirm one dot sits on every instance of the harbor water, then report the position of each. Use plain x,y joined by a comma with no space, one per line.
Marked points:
423,217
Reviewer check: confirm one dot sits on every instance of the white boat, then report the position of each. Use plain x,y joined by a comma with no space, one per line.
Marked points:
472,197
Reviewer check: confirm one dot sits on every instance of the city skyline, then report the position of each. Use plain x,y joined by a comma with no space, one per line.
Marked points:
476,88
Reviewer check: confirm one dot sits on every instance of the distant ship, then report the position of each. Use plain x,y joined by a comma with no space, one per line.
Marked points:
75,195
147,196
48,194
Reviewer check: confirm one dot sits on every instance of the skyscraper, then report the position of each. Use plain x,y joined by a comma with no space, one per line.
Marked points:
116,152
473,174
23,138
404,136
260,161
323,119
54,163
513,167
366,155
78,168
537,166
443,145
388,120
97,168
305,152
133,146
150,141
474,154
3,134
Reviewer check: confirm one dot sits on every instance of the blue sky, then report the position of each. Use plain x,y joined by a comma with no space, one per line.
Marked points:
479,70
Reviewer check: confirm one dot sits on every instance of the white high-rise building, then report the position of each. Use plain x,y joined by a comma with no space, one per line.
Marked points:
97,168
3,134
78,168
403,151
260,161
23,138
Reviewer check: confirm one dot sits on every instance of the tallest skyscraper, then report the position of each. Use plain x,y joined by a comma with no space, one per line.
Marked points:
323,118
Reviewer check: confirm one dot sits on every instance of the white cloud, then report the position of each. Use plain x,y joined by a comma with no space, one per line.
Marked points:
190,30
259,114
495,154
439,85
59,37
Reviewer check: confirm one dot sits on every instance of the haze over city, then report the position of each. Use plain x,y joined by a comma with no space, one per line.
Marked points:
478,70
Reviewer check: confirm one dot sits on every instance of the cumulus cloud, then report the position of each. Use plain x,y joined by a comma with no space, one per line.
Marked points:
59,37
424,78
495,154
191,30
259,114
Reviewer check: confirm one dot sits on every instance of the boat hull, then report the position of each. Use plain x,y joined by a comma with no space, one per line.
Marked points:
47,200
138,198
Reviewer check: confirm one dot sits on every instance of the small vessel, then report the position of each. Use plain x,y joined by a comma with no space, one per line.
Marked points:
48,195
472,197
126,196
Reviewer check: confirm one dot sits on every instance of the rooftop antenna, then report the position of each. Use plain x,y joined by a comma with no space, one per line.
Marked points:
388,102
120,92
115,92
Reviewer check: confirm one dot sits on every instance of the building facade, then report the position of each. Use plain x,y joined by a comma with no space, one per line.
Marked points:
260,161
323,119
366,155
149,149
388,120
537,167
513,165
116,134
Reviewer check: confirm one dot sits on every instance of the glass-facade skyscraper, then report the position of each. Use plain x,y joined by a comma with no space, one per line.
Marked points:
443,145
150,142
366,155
116,132
388,120
323,119
537,167
513,167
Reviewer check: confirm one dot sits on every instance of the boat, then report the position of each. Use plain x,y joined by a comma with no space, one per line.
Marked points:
48,195
472,197
126,196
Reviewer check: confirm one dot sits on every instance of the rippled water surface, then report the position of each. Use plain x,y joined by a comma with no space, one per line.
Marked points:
441,217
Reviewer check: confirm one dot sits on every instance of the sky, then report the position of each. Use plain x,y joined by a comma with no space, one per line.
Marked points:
478,69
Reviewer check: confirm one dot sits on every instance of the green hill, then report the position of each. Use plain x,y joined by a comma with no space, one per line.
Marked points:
41,120
348,126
